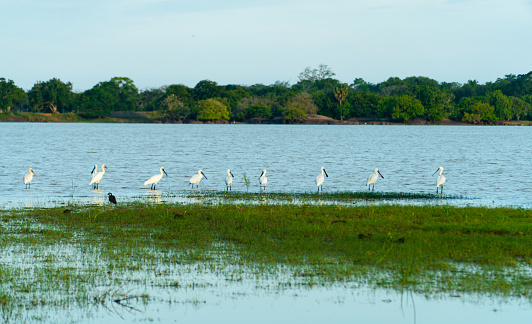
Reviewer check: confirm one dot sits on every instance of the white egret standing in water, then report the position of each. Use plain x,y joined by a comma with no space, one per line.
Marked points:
320,179
229,180
28,177
441,180
373,178
197,178
156,178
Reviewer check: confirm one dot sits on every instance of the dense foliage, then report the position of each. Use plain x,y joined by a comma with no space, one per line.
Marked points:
316,92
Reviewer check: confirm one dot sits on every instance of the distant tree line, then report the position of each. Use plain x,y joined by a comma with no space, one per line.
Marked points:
316,92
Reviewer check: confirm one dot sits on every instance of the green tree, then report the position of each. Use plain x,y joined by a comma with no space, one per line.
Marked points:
149,99
393,87
250,107
480,112
98,102
52,95
182,93
128,94
326,102
364,104
234,96
207,89
437,103
173,109
212,108
255,111
520,108
403,107
11,96
340,93
305,100
501,104
293,111
360,85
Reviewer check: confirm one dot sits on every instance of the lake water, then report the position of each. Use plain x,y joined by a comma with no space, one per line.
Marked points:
491,164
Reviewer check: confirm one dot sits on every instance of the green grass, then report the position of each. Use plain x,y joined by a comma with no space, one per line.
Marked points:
427,249
310,234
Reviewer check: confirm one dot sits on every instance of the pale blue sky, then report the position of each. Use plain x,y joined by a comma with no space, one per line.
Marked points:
162,42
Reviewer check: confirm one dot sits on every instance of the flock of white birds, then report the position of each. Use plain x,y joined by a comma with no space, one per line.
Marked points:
96,177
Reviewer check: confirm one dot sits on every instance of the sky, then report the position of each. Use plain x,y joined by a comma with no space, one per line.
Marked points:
163,42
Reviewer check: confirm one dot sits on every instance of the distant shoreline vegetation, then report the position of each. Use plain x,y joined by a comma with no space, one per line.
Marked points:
317,98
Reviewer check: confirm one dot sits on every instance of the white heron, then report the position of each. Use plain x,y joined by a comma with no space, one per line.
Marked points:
97,177
229,179
320,179
263,180
156,178
441,179
28,177
197,178
373,178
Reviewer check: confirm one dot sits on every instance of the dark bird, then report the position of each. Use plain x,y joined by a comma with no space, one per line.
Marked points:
112,198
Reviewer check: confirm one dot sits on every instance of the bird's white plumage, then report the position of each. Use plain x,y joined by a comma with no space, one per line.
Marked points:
195,179
373,177
29,176
229,178
156,178
262,179
321,178
97,177
441,178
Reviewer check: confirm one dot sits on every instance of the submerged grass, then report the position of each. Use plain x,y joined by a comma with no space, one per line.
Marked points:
314,196
380,236
429,249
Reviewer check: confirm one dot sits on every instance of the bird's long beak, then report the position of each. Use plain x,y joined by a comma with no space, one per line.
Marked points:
232,174
33,173
204,175
325,173
380,174
165,173
436,172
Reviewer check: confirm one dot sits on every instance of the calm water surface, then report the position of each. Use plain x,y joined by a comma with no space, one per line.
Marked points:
490,163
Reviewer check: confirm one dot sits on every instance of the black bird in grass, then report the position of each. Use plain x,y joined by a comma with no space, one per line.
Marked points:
112,198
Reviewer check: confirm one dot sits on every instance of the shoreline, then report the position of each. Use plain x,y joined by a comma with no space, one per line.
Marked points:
144,118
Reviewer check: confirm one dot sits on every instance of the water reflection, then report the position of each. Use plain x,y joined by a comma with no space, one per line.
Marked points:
153,196
263,199
195,197
98,200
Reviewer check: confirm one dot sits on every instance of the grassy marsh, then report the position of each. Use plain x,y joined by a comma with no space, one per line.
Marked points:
79,255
